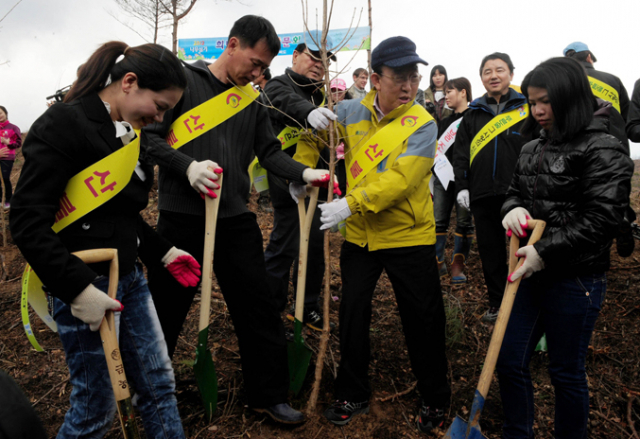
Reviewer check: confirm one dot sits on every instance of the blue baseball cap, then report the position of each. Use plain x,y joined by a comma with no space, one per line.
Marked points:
395,52
576,47
311,39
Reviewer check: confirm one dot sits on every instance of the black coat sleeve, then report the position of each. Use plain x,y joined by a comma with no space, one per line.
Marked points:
292,109
633,118
54,144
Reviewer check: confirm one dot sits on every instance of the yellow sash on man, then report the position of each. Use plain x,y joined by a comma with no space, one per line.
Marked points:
85,192
288,137
604,91
495,127
384,142
210,114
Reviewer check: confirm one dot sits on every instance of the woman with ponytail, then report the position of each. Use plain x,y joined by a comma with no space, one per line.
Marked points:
119,90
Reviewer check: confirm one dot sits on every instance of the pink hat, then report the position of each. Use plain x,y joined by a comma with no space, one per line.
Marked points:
339,84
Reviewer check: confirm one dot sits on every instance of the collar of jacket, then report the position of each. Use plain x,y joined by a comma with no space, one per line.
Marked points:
587,65
514,100
96,111
370,98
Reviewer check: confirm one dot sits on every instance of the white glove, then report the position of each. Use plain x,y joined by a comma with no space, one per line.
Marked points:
516,221
201,177
298,191
463,199
320,118
532,263
90,306
334,212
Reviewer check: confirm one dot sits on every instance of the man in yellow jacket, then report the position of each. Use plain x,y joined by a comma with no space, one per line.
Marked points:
390,144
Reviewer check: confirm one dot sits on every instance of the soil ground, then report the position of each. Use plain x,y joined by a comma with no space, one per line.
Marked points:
613,361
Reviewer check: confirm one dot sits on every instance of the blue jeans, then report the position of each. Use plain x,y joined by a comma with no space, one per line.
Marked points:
146,362
566,310
443,202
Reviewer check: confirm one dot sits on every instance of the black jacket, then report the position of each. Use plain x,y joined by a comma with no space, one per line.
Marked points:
233,145
66,139
614,82
294,96
581,189
633,118
492,168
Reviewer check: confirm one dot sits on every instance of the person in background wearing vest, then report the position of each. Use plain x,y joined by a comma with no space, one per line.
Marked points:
389,143
485,152
458,96
190,172
297,98
601,85
618,97
360,78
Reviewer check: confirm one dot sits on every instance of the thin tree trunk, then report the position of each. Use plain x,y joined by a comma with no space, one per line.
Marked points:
324,338
4,222
174,11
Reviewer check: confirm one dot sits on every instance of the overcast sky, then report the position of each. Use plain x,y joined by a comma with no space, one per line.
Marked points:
42,42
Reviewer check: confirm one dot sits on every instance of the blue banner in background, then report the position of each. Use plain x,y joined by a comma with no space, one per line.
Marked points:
212,48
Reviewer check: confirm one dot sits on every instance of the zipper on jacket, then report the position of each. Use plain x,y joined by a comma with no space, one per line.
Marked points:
535,183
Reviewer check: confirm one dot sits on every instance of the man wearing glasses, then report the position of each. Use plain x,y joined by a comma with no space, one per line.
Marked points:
390,144
297,99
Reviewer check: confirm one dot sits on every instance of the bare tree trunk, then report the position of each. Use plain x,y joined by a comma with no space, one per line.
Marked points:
370,41
324,338
174,33
4,222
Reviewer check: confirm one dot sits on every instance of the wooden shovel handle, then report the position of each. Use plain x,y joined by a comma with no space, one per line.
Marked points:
211,220
306,218
505,312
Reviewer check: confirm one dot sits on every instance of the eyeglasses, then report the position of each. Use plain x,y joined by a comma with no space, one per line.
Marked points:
414,79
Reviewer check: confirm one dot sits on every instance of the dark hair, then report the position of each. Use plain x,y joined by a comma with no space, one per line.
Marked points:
459,84
407,68
250,29
267,74
497,55
5,111
154,65
300,48
569,93
579,56
359,71
440,69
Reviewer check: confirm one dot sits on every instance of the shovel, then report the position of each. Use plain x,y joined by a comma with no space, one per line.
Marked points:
299,352
110,343
471,430
203,367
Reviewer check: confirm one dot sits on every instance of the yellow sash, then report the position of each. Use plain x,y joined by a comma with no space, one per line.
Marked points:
210,114
288,137
495,127
85,192
604,91
384,142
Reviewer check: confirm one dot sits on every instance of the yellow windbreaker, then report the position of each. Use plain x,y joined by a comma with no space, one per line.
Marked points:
391,207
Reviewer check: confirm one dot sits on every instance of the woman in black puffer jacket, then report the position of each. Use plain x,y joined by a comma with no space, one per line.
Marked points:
577,178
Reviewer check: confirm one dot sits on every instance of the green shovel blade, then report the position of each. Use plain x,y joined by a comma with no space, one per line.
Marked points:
299,358
206,376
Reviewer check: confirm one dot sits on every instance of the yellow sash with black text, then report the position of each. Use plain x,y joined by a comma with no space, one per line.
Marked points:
384,142
604,91
495,127
84,192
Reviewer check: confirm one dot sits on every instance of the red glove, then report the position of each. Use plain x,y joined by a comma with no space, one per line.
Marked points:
320,178
182,266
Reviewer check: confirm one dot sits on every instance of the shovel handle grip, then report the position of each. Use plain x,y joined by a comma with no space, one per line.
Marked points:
119,382
306,218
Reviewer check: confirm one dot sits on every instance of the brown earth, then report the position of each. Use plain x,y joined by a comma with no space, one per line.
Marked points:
612,364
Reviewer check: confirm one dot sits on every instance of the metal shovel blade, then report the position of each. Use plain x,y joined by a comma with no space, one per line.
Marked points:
460,429
205,372
299,358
